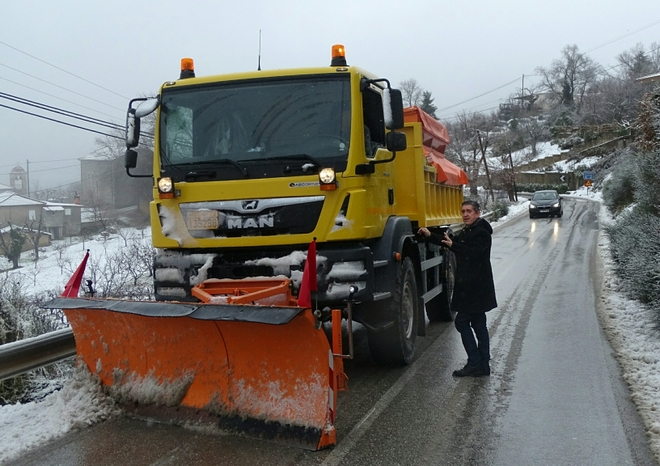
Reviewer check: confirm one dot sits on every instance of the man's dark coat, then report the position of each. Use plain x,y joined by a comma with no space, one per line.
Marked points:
474,289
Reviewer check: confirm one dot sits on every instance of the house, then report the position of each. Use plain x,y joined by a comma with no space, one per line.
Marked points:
58,219
17,209
651,78
107,187
62,220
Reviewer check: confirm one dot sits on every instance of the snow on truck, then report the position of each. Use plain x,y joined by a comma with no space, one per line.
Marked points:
285,202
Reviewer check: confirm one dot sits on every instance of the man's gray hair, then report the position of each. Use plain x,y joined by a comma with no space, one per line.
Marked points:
474,204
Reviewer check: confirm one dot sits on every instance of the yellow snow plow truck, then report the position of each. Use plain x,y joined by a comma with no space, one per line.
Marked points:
250,171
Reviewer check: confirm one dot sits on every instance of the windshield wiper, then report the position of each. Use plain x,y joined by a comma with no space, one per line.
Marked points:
196,175
288,168
243,169
234,163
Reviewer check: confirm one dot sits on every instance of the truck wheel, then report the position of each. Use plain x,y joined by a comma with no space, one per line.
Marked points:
439,308
395,345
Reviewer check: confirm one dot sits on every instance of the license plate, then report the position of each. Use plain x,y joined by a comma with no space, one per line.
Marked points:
544,211
202,220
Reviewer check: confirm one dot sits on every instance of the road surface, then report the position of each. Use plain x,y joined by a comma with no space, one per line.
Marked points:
555,396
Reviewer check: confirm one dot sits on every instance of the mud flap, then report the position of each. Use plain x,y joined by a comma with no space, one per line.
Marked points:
259,370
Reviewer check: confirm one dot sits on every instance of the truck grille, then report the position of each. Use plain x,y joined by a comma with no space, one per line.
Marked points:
252,217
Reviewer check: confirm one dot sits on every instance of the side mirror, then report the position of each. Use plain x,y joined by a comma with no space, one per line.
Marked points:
396,142
147,107
130,159
133,115
395,110
132,129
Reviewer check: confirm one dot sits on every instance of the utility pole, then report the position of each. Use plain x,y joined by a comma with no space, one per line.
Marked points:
513,177
28,178
483,157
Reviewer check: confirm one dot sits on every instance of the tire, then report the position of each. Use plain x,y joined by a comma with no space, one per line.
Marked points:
531,216
439,308
395,345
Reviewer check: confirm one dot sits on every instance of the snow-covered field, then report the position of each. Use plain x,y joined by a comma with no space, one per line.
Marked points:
81,403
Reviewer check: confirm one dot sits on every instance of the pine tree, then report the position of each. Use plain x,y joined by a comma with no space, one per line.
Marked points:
427,104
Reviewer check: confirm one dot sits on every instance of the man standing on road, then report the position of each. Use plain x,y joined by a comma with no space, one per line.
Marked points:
474,289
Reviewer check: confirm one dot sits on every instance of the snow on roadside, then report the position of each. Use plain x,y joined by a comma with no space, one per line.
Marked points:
635,339
79,404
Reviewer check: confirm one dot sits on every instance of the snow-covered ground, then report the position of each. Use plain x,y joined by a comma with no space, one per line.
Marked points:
81,403
548,149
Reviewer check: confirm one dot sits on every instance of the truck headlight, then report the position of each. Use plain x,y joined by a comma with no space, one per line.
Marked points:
166,188
327,179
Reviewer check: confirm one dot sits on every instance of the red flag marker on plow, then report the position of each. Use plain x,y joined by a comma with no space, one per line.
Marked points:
308,278
73,285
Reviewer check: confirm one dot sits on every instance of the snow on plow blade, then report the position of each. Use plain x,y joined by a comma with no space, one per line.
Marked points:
265,371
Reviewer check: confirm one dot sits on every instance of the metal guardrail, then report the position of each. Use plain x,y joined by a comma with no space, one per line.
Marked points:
22,356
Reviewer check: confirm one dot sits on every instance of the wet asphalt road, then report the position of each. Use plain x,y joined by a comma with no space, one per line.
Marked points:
555,396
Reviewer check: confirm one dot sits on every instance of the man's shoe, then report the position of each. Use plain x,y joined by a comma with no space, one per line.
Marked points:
469,371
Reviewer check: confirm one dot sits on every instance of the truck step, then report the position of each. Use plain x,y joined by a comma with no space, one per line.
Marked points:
379,296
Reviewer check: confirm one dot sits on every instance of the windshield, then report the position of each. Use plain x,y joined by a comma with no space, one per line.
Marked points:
545,196
233,128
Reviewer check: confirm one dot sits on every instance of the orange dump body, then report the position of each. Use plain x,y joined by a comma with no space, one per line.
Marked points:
262,370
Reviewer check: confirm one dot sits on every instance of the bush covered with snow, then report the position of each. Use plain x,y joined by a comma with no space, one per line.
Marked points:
20,318
634,193
499,209
635,250
618,190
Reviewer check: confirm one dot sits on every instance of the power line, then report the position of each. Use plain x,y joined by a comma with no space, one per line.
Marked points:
61,122
59,111
480,95
43,161
456,116
61,87
63,70
66,113
55,97
623,36
44,170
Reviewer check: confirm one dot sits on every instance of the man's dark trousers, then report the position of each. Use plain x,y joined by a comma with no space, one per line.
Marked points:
478,351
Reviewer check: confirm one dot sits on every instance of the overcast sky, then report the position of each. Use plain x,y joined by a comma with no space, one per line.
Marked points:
126,48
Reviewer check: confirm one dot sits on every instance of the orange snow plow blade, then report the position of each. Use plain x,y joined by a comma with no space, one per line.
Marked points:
263,370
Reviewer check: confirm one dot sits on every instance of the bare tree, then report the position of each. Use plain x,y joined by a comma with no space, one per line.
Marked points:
637,62
533,132
570,77
465,149
62,261
33,231
101,209
654,54
124,191
504,145
412,92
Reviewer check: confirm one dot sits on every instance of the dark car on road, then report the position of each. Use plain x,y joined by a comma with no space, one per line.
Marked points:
545,203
